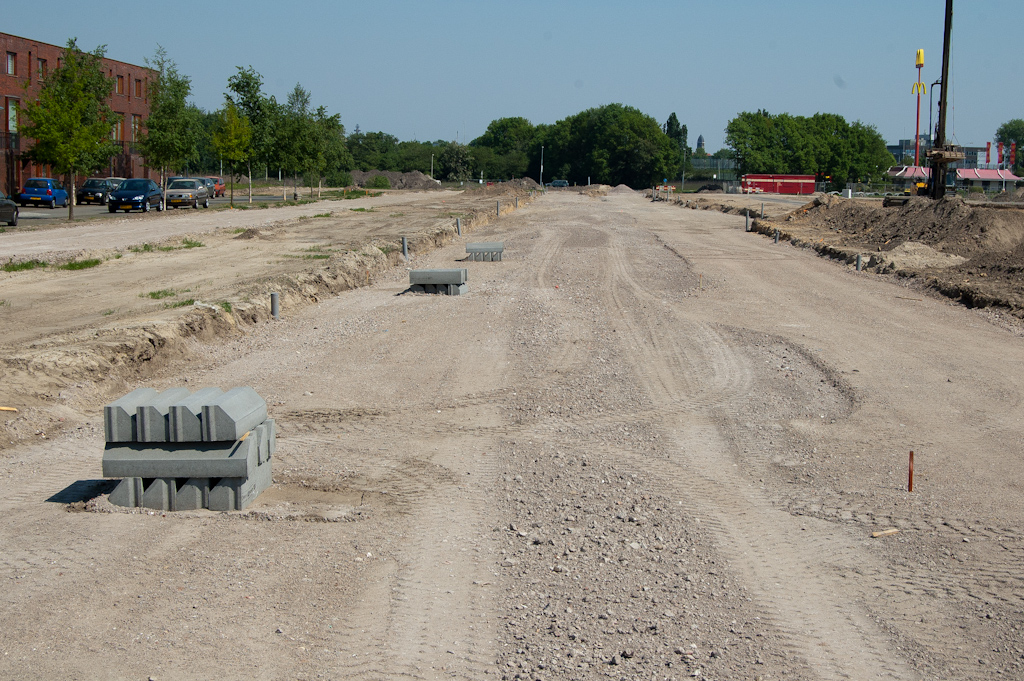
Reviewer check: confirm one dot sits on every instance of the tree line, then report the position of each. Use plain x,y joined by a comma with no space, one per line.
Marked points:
252,133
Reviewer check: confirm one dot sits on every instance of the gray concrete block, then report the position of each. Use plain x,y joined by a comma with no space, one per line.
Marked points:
178,460
267,439
127,493
434,277
184,423
159,495
193,494
119,416
234,413
485,247
234,494
456,289
151,415
417,288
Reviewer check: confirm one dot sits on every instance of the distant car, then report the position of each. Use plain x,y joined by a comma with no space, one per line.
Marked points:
136,194
95,190
559,183
211,188
8,210
43,191
218,186
187,192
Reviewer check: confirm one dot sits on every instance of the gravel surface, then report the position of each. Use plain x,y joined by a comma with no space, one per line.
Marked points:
645,445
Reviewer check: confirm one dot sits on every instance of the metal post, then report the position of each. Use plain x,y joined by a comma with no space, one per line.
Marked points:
762,210
405,248
517,203
275,306
542,165
860,264
498,209
746,227
776,236
458,226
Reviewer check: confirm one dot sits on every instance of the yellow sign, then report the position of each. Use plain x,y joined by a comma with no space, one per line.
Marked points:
920,58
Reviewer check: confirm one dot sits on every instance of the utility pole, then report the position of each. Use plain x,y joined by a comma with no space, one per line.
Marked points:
942,154
542,166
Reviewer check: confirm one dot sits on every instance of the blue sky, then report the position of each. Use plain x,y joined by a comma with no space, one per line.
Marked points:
441,70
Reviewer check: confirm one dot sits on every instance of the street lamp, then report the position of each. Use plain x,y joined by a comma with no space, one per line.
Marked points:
542,166
431,166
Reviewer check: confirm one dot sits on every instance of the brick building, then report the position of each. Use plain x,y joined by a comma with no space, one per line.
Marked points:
26,61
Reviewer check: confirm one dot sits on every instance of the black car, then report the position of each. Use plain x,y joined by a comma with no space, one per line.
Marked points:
8,210
136,194
95,190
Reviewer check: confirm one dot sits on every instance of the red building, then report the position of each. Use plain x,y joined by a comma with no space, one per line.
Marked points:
778,184
27,61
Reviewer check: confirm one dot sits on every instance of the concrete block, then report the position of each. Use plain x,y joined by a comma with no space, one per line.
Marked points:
127,493
159,494
485,247
434,277
119,416
267,440
151,415
184,423
178,460
193,494
456,289
234,494
234,413
417,288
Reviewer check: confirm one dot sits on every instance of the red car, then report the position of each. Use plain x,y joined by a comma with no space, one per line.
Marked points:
218,186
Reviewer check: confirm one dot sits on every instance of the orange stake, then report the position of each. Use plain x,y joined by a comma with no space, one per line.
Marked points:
910,478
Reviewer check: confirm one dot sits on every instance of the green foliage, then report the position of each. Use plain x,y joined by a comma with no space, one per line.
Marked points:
678,133
173,127
80,264
1013,131
612,144
377,182
824,145
23,265
373,150
70,121
180,303
232,138
455,162
191,243
338,178
503,150
246,88
158,295
225,305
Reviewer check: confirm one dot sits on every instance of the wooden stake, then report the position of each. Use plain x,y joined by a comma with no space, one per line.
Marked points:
884,533
14,409
910,477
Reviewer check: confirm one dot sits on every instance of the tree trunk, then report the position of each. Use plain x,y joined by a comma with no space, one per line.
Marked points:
248,167
319,187
71,196
232,187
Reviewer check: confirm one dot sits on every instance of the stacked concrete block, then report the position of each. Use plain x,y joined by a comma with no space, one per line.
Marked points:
178,450
451,282
485,251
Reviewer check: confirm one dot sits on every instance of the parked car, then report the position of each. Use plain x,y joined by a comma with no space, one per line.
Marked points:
187,192
41,191
136,194
218,186
95,190
559,183
211,188
8,210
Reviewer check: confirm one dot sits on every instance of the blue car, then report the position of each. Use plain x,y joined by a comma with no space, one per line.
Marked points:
43,191
136,194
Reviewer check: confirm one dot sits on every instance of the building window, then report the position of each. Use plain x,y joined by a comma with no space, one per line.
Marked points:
12,115
138,88
12,63
120,85
41,68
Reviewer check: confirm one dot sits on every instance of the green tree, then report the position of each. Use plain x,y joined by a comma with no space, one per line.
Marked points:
70,122
373,150
297,135
232,138
1009,132
678,133
455,163
246,93
173,127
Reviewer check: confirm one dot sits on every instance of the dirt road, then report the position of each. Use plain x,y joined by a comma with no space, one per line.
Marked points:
646,445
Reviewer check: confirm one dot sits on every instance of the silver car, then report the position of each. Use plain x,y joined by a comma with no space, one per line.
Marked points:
187,192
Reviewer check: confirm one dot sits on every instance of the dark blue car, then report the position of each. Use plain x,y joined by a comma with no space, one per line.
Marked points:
43,191
136,194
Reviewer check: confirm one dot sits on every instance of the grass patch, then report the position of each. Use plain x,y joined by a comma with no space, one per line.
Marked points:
263,205
107,313
362,210
22,266
387,249
158,295
316,256
4,303
80,264
322,215
225,305
180,303
191,243
396,215
238,230
144,248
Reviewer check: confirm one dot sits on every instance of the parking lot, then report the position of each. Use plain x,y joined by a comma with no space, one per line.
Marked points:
38,215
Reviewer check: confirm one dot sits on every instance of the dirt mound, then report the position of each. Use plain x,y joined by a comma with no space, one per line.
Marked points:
410,180
1010,196
621,189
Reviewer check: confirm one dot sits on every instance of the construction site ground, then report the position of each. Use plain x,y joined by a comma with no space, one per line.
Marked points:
646,444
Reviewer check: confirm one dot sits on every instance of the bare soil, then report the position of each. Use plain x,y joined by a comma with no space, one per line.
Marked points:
646,444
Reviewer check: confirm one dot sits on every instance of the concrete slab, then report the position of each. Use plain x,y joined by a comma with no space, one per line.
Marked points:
119,416
234,413
151,416
184,423
434,277
234,494
485,247
176,460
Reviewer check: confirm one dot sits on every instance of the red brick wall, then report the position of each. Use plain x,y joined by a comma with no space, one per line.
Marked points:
131,102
